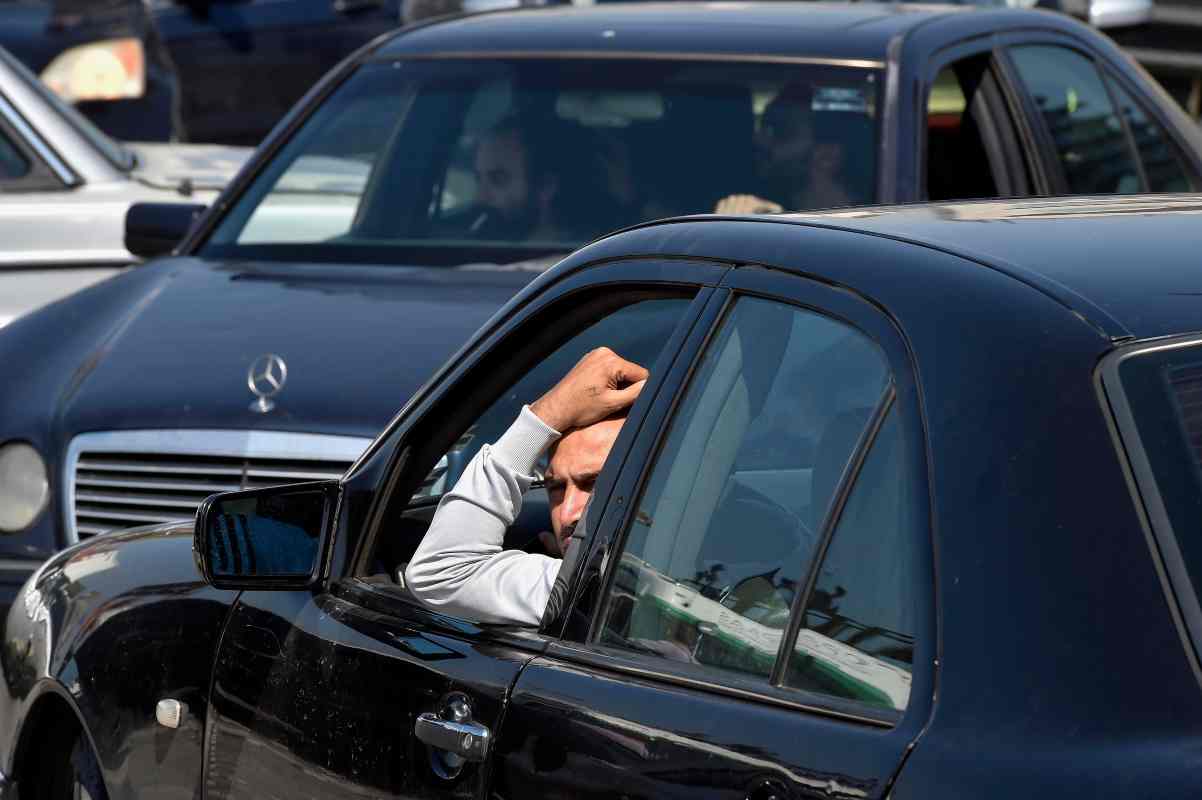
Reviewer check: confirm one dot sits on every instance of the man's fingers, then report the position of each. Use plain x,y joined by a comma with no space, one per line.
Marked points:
624,398
627,372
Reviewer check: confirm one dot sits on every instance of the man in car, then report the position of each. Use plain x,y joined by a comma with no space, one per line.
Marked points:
798,159
517,184
460,567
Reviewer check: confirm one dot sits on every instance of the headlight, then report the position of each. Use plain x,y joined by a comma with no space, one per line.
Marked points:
114,69
24,486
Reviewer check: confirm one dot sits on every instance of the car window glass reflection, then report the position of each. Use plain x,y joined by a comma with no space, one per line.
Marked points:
12,163
266,535
863,602
1162,162
727,525
1087,133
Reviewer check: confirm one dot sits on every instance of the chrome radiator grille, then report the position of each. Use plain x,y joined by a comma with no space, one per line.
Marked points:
122,479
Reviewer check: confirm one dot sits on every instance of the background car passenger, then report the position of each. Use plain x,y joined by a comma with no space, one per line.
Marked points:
784,141
535,185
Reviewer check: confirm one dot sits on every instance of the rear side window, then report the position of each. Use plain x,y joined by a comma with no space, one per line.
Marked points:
1162,390
1088,134
719,556
1163,164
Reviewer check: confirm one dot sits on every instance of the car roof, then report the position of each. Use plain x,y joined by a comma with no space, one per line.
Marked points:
1129,265
860,31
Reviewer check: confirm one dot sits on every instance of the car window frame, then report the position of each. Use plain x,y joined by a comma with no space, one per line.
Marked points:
1057,178
1023,173
1181,594
575,642
507,331
1185,155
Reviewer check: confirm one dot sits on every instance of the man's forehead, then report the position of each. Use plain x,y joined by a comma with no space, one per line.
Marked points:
583,451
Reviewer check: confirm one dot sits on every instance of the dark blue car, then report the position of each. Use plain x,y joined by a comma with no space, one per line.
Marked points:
426,181
907,509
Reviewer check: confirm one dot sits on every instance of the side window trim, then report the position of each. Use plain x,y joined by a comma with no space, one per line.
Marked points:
1132,147
578,646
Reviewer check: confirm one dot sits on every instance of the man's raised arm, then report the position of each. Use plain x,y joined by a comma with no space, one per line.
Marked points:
459,567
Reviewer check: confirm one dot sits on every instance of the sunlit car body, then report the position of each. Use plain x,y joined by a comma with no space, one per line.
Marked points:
888,460
65,188
359,247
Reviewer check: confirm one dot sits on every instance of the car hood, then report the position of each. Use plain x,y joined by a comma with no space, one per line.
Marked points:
172,166
357,342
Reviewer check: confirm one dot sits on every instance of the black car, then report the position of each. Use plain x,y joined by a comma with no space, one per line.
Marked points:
196,70
905,510
429,179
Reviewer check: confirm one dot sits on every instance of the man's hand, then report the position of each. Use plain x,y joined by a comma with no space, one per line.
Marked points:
746,204
602,383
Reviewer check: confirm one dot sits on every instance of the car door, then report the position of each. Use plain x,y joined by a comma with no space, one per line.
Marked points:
242,65
321,693
755,617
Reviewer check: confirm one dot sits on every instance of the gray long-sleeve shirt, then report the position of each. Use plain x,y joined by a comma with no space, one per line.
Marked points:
460,568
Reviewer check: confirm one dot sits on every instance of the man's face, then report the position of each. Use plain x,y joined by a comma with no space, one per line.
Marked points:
784,139
502,183
575,463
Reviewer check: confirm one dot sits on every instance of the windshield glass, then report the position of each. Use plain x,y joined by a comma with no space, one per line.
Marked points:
455,161
110,149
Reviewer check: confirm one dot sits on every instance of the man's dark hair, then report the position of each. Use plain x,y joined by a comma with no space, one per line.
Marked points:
539,144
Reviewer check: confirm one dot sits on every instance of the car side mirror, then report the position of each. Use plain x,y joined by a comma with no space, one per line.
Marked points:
154,229
273,538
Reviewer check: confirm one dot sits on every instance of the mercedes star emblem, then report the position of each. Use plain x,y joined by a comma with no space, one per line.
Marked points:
266,377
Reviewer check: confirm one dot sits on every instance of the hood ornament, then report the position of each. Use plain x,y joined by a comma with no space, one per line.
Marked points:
266,378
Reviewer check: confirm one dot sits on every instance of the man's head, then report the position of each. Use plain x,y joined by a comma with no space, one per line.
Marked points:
786,133
513,179
576,461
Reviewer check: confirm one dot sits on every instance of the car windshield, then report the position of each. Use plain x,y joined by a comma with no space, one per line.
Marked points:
117,155
449,162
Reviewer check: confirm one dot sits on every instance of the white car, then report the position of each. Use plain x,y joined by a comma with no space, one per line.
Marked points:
65,188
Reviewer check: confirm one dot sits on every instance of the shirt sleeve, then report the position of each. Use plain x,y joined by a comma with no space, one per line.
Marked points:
459,567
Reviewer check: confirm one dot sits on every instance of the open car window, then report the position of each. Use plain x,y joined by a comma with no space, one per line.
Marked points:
449,162
636,327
